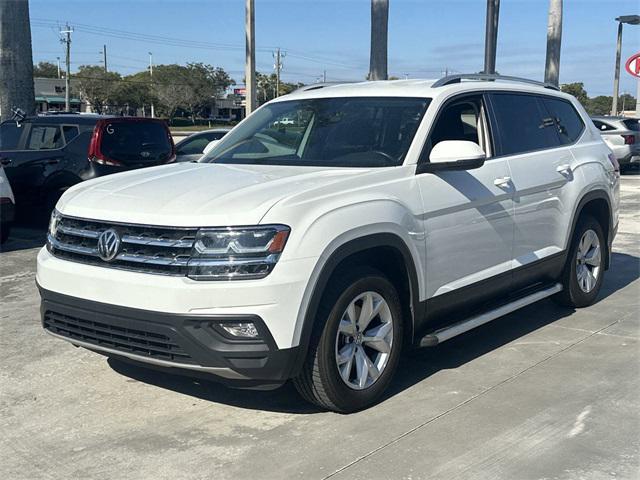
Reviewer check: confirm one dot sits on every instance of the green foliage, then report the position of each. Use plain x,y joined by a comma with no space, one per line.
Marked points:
45,70
266,87
97,86
577,90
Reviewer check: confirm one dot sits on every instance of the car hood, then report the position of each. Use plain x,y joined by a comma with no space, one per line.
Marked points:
194,194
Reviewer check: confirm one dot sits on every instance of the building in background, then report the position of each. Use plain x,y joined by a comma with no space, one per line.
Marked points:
50,95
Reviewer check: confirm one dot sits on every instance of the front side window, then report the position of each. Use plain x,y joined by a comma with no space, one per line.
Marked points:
45,137
568,122
523,124
336,132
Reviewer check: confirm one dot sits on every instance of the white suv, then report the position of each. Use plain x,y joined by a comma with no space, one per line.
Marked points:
390,215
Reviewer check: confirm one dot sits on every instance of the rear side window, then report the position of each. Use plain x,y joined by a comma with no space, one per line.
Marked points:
568,121
523,124
45,137
603,127
10,136
70,132
136,142
632,124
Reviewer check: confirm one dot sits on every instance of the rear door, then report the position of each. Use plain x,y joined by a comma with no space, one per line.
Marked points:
39,148
535,134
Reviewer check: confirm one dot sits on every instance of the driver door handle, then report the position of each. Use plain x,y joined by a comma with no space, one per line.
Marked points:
502,182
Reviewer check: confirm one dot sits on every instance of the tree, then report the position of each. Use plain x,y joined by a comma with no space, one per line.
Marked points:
266,87
133,92
45,70
554,41
600,105
97,86
379,34
577,90
16,59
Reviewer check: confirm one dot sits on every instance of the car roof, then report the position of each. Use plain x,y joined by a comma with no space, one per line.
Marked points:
418,88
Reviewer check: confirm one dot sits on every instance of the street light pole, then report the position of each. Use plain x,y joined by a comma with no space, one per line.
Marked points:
250,53
491,36
153,112
616,75
631,20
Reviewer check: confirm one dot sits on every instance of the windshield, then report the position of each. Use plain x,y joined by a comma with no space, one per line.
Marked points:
336,132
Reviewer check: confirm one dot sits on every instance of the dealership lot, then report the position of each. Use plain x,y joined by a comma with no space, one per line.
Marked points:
545,392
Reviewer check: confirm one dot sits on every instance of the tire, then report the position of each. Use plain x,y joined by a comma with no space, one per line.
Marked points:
320,381
5,229
583,274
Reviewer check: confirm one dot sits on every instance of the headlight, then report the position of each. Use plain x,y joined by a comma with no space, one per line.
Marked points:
53,227
236,253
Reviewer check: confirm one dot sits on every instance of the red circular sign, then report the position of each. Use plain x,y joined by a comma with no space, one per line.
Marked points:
633,65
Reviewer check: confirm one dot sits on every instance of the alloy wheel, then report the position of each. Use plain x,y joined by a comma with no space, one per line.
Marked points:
364,340
588,261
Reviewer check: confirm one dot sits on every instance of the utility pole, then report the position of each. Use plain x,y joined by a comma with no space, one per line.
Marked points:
250,52
104,57
631,20
554,42
153,111
324,76
491,36
379,40
16,59
59,75
66,39
278,66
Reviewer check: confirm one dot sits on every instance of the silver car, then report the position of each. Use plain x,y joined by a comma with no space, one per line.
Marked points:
622,135
191,148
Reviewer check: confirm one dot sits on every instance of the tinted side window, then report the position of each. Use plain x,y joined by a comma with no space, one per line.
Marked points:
10,136
193,146
603,127
568,121
45,137
70,132
632,124
523,124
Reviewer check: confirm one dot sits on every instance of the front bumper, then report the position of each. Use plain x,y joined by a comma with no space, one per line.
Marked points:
181,342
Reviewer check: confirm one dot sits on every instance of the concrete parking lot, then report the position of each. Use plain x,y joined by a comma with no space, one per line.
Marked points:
544,393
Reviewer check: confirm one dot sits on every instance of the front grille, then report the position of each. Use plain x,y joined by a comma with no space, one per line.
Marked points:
147,249
122,339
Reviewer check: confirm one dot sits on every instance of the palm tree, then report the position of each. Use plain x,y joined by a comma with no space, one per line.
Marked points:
16,60
379,33
554,40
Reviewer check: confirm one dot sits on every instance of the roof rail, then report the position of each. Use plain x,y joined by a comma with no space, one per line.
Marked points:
317,86
488,77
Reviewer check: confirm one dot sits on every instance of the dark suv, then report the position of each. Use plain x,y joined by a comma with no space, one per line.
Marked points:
45,155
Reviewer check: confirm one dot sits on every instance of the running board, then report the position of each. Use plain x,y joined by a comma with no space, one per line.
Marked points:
439,336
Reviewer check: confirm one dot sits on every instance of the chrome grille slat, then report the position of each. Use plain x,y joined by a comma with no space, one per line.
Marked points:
148,249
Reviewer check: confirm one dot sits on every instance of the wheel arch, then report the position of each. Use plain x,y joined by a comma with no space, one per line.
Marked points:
598,204
384,251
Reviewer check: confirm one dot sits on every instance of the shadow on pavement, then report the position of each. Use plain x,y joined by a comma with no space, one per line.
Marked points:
415,366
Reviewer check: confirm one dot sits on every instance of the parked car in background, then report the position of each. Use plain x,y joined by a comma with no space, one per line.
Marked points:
622,135
191,148
395,214
7,206
45,155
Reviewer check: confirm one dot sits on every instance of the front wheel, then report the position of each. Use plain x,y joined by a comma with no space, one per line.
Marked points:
355,345
584,271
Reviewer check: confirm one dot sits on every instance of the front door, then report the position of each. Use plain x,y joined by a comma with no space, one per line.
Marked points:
468,217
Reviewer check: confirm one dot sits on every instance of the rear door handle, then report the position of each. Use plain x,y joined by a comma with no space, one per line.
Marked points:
564,169
502,182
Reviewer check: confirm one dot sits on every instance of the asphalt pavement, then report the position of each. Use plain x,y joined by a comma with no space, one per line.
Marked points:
544,393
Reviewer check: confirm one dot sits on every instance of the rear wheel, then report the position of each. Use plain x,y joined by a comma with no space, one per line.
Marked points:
355,345
583,274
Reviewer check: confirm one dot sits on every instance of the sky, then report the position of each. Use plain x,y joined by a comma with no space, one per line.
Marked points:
426,37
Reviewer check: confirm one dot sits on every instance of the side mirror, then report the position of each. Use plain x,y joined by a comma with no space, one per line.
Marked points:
210,146
455,155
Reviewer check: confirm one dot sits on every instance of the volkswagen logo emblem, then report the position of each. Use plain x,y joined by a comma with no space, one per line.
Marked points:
108,245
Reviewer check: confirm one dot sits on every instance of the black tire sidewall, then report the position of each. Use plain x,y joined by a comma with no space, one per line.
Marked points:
579,298
345,398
